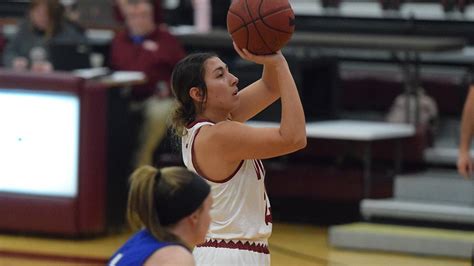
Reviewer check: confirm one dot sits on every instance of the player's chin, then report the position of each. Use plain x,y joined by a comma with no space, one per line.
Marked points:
235,103
235,96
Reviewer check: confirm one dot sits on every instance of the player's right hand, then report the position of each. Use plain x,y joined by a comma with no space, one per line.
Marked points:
268,60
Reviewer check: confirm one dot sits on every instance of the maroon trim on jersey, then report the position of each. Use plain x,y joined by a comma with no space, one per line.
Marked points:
192,124
260,163
214,243
257,169
232,175
198,170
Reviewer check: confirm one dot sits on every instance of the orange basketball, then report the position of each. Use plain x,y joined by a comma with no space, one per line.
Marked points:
261,26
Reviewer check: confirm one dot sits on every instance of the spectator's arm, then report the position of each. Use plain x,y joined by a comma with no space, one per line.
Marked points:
11,52
467,128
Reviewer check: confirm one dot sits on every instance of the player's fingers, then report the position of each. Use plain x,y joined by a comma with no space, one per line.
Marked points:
238,50
248,54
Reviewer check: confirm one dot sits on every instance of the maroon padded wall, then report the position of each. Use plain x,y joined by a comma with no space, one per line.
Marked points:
84,214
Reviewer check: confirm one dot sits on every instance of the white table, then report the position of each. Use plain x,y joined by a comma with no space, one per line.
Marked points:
358,130
365,132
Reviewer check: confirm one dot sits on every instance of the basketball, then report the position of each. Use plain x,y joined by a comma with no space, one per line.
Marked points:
261,26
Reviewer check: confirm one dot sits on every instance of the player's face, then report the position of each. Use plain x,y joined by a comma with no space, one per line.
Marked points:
222,91
204,220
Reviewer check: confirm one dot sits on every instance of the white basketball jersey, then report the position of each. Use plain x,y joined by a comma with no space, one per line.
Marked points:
241,209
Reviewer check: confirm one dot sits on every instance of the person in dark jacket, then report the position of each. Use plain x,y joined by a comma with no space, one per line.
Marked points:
44,24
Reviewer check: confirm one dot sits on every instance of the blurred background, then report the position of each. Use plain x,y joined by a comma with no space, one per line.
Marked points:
383,85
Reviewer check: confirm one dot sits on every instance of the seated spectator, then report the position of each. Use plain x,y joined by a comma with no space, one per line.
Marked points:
72,14
44,24
120,5
150,48
171,207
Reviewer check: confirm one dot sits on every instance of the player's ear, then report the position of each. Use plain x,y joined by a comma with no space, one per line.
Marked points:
196,94
194,218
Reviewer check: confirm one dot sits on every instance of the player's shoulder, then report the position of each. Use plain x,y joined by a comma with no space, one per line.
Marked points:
171,255
223,128
224,133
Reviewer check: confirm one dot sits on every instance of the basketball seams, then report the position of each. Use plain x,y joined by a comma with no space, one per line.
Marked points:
267,35
244,24
252,21
241,18
268,14
274,10
272,27
255,25
251,18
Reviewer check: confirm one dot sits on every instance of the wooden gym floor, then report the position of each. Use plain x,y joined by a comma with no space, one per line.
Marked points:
290,244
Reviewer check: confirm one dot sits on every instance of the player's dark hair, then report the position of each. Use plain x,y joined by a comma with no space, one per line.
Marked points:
188,73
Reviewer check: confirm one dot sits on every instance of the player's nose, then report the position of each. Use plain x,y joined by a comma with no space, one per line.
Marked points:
234,80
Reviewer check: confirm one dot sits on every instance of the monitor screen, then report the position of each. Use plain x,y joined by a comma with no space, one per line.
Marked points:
39,142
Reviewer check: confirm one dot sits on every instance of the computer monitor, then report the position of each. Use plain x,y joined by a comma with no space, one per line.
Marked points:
69,56
39,142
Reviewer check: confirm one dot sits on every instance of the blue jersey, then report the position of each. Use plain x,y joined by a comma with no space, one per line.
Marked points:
137,250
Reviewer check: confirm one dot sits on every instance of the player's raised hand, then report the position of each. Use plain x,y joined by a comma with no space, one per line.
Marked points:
273,59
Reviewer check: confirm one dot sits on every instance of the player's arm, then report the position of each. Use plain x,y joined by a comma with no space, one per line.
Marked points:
467,128
258,95
235,141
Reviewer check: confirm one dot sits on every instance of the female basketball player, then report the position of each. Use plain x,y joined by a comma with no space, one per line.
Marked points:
172,207
218,146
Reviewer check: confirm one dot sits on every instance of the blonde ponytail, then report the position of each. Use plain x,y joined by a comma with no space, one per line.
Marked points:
141,209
